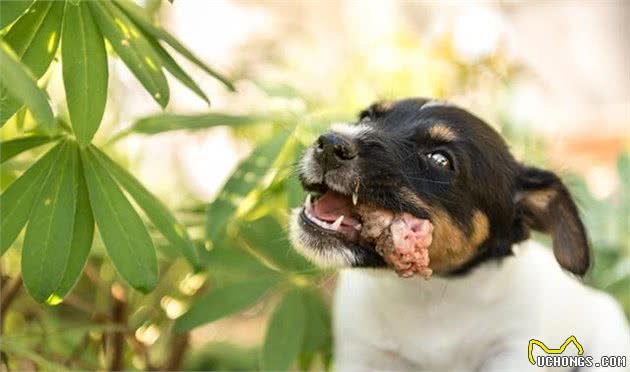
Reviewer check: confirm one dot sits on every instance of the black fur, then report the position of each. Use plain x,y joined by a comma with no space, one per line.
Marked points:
484,176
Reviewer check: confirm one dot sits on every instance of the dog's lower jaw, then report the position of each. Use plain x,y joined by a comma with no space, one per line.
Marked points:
325,257
327,251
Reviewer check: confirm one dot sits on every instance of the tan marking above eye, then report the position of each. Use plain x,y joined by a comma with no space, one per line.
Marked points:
441,132
384,106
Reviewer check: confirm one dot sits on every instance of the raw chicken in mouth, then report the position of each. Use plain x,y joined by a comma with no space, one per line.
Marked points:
402,239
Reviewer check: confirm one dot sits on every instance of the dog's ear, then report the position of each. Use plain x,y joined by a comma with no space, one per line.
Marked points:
547,206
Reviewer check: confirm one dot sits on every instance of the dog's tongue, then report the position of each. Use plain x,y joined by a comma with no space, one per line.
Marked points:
331,205
402,239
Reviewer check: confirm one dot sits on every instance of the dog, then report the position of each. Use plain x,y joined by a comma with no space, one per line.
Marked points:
487,296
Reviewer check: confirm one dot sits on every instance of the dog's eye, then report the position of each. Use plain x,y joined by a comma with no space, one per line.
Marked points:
440,159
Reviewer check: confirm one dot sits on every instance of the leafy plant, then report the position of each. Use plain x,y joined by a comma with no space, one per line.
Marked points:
75,185
238,259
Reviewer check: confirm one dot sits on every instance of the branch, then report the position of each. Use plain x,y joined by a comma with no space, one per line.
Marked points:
8,296
119,316
179,344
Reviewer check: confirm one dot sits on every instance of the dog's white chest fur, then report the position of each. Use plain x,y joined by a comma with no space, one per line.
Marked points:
482,321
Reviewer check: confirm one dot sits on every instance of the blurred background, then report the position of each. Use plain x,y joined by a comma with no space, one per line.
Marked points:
552,77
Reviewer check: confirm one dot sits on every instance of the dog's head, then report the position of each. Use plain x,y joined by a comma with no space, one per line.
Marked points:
435,162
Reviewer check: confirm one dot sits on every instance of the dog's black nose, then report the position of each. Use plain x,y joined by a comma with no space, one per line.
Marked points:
332,150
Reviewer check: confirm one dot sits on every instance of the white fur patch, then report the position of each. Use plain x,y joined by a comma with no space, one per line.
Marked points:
309,168
351,130
481,321
307,245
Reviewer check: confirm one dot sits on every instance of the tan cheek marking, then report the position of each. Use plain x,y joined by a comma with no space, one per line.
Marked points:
481,228
441,132
451,247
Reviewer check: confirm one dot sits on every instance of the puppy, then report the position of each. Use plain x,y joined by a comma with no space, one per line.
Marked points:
467,209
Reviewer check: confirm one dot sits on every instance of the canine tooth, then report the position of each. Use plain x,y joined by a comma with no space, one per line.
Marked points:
337,223
308,202
355,198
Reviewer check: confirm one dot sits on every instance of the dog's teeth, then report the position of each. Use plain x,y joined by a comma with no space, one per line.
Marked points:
324,224
337,223
358,227
308,202
355,198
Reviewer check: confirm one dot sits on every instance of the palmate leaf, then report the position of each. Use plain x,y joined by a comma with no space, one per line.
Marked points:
138,15
16,146
12,10
34,38
18,199
157,212
285,333
18,86
125,236
129,43
85,73
241,183
223,301
82,236
48,238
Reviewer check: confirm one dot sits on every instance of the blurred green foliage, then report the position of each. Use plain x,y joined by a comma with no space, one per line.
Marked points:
224,263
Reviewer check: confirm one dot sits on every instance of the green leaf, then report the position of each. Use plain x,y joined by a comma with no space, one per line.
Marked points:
48,237
318,335
137,53
241,183
157,212
14,147
285,333
34,38
126,238
171,65
295,192
85,71
12,10
268,237
229,261
82,236
19,82
223,301
137,14
169,122
18,199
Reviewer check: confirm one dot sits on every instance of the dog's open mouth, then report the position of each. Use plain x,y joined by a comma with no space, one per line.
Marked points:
333,212
401,239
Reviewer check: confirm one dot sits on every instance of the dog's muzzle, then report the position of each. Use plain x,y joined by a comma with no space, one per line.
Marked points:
336,227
